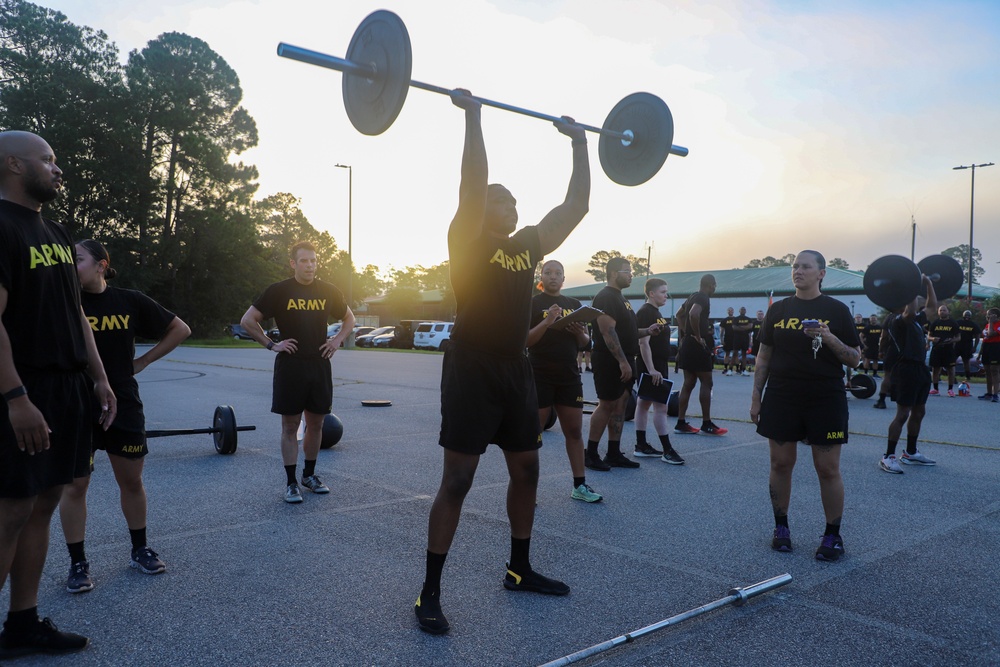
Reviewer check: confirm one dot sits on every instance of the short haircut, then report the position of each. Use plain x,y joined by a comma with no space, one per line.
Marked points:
553,261
652,284
993,311
615,264
293,252
707,280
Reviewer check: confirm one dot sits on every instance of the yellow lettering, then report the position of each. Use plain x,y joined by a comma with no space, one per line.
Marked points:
498,257
109,322
522,265
792,323
291,305
36,258
93,322
302,304
47,249
835,435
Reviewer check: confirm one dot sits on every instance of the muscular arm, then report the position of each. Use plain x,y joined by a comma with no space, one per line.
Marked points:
468,221
30,428
694,323
563,219
176,333
759,380
606,324
331,345
849,356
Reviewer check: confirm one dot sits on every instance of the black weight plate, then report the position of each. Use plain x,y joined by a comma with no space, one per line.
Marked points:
333,431
376,403
862,386
224,422
949,272
382,41
892,281
649,119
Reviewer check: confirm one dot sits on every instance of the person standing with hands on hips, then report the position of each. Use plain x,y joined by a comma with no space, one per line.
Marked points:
798,395
303,383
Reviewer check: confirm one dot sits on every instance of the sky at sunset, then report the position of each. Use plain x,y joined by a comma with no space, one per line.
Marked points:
810,124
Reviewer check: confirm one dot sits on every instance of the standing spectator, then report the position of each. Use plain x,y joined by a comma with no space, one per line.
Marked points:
742,326
990,355
694,357
872,335
943,334
727,334
966,348
755,335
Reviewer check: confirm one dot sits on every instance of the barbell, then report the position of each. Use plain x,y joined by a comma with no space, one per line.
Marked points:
224,430
634,141
894,281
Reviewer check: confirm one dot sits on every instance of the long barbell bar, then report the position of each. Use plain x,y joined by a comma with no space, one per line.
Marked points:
370,72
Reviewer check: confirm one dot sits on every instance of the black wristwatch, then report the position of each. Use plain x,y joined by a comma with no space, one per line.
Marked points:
270,344
16,392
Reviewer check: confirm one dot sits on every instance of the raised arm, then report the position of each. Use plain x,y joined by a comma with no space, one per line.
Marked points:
560,221
468,221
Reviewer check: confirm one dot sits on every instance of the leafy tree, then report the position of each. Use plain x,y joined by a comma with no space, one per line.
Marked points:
404,301
599,260
961,253
838,263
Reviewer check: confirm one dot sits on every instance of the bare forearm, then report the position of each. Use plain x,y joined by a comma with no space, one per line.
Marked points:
95,367
177,332
849,356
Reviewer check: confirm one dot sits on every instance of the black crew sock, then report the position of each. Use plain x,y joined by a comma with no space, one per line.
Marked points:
911,444
614,447
138,538
881,397
519,562
290,473
781,520
432,579
577,481
832,529
935,386
309,468
21,620
665,443
640,437
76,552
592,447
890,449
951,387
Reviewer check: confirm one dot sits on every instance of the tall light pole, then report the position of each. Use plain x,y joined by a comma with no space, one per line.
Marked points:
350,213
972,208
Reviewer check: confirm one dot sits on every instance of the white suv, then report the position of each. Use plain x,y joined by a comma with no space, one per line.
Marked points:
432,335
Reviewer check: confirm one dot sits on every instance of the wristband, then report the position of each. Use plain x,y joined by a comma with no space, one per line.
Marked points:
16,392
579,142
270,344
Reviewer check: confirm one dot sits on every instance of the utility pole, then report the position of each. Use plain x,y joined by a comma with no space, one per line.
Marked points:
972,209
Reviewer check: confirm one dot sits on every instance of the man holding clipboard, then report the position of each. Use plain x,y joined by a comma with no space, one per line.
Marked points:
653,366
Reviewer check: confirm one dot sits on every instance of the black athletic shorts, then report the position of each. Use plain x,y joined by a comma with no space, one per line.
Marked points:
942,356
727,344
991,354
549,394
487,399
608,376
795,410
64,399
301,385
126,444
964,350
871,353
741,343
911,383
691,356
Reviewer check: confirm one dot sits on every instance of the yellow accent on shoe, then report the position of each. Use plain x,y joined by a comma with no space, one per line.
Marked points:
517,579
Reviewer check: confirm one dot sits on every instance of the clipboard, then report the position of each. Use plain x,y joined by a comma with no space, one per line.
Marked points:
581,314
659,393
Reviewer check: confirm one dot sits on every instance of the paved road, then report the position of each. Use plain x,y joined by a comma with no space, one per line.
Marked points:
254,581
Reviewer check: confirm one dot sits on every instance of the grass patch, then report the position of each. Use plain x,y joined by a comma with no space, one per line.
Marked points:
219,342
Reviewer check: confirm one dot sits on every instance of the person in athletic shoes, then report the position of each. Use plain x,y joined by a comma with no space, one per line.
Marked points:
728,341
50,376
911,378
755,336
966,348
694,358
798,395
615,350
870,351
944,336
654,360
303,381
989,355
742,326
116,317
552,353
487,388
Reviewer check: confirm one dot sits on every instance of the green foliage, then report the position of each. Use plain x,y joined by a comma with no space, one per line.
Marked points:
961,253
766,262
599,260
838,263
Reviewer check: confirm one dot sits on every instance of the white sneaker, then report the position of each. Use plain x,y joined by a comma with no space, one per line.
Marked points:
890,464
916,459
745,373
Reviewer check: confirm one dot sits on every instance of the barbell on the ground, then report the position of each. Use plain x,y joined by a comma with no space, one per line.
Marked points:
862,386
635,139
736,596
894,281
224,430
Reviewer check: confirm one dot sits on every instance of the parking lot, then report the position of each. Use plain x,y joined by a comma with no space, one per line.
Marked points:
252,580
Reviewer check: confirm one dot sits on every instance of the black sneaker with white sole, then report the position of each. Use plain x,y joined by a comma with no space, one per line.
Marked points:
42,637
145,560
645,449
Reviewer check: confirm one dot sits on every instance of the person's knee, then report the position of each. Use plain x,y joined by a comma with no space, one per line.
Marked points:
455,484
524,470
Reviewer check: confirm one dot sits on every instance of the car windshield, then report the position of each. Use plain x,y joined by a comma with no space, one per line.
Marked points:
380,331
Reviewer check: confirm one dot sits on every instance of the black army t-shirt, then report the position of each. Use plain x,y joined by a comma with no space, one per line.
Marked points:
970,332
704,325
302,312
553,358
943,330
741,321
611,302
726,329
873,333
659,345
38,269
792,352
117,316
907,339
492,278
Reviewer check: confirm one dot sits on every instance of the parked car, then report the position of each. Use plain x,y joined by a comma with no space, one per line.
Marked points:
274,334
433,335
384,340
366,339
238,332
361,331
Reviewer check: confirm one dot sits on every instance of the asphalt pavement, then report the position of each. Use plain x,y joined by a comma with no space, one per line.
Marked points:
252,580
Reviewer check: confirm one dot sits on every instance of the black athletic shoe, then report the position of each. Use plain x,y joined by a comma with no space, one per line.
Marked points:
646,449
619,460
594,462
879,404
830,549
429,614
672,457
44,637
782,540
534,583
